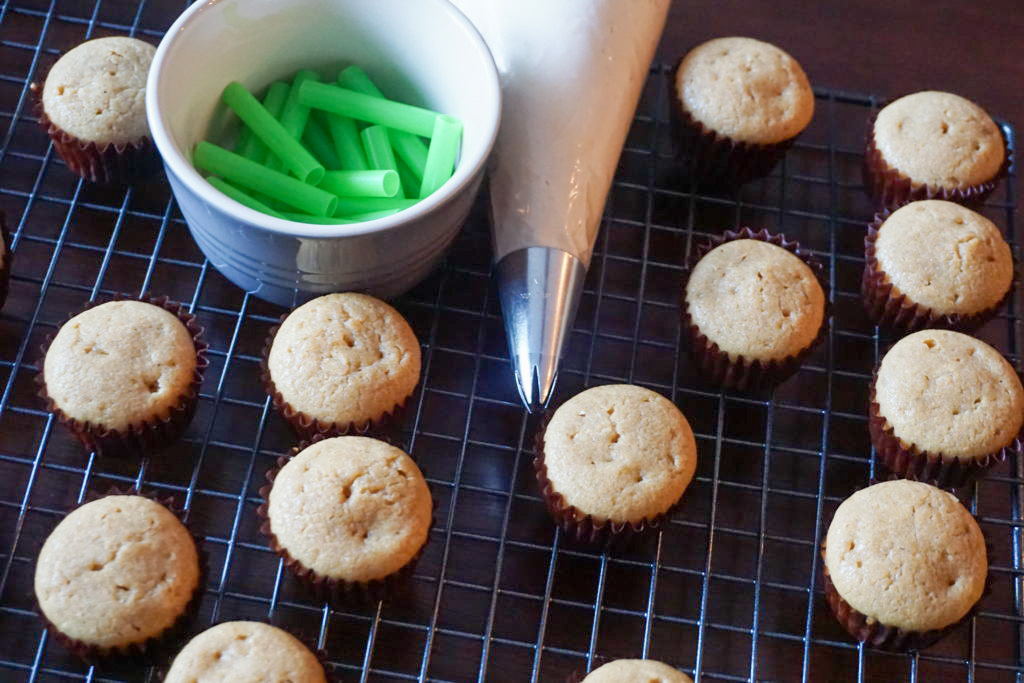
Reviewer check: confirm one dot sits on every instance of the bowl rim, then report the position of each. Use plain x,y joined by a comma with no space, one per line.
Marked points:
188,175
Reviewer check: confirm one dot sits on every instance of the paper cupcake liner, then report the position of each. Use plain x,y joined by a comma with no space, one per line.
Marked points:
716,159
890,188
8,255
306,426
108,163
909,462
170,639
881,636
577,526
887,307
149,436
742,373
333,590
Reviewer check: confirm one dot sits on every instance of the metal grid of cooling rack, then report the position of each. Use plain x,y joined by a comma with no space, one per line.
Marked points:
730,589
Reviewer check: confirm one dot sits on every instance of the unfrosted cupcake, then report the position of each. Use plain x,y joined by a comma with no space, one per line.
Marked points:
341,362
614,459
934,263
933,145
94,108
636,671
904,562
245,652
115,575
753,308
944,407
738,105
124,376
348,514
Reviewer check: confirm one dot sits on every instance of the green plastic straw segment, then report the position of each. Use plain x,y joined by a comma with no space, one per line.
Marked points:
250,146
377,110
252,176
378,151
444,146
292,154
353,205
407,146
319,142
372,183
347,143
294,115
241,197
410,183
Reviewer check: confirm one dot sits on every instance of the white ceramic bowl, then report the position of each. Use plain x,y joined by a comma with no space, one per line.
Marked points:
423,52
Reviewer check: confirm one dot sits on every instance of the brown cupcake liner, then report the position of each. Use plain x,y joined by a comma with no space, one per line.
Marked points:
889,638
742,373
170,639
888,307
105,164
577,526
8,255
909,462
149,436
332,590
306,426
890,188
715,159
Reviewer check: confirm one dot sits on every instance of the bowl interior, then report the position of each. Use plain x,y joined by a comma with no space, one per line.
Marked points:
421,52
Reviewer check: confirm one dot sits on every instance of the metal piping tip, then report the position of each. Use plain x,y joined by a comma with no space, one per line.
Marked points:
539,289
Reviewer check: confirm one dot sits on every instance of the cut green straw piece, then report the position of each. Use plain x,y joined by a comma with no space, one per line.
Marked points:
294,115
350,205
320,144
241,197
274,108
407,146
252,176
377,144
377,110
373,183
347,143
292,154
354,218
250,146
410,183
444,145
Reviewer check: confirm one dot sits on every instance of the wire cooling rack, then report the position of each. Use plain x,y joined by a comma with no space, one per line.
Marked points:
729,589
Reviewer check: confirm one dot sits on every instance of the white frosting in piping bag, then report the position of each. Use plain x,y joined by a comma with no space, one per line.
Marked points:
572,72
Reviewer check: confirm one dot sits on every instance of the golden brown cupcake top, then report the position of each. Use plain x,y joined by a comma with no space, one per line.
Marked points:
940,139
756,300
120,363
619,452
906,554
245,652
745,89
950,394
636,671
350,508
97,91
345,358
117,571
944,256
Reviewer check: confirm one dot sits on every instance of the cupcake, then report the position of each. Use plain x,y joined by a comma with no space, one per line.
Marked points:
348,514
93,107
738,105
5,259
116,575
613,460
245,651
904,563
341,362
634,670
933,145
124,376
934,263
753,308
944,407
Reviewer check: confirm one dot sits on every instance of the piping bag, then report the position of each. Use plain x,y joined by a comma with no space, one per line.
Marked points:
572,72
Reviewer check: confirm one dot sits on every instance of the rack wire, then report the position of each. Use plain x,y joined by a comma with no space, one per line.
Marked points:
729,589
